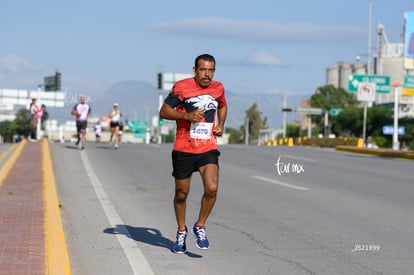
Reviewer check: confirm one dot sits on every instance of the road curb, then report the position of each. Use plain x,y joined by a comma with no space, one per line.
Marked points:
57,256
378,152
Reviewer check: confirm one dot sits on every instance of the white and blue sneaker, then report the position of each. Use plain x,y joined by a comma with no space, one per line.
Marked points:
200,233
179,245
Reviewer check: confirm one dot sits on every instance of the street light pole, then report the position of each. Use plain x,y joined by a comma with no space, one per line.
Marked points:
284,116
364,127
246,130
369,35
397,87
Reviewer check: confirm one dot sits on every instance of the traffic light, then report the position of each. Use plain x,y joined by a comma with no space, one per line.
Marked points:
160,121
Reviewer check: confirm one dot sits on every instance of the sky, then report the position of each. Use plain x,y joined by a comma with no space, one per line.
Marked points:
261,46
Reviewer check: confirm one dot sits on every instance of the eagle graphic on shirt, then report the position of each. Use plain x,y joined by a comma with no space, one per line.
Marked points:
203,102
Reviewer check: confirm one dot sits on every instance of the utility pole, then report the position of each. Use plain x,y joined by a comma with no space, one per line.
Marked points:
397,88
246,130
326,124
369,36
160,101
368,70
284,115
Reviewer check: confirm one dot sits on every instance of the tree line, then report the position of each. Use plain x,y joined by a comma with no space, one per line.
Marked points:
15,130
347,123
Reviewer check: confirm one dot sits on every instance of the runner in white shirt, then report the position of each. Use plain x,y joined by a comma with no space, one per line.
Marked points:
115,116
98,131
81,110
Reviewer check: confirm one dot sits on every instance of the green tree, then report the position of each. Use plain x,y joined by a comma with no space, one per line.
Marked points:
292,130
6,130
407,140
378,117
329,97
255,123
236,136
21,125
348,122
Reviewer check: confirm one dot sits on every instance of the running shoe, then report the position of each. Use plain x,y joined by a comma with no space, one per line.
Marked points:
200,234
179,245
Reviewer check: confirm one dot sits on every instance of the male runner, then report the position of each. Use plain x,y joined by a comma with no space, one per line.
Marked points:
195,103
81,110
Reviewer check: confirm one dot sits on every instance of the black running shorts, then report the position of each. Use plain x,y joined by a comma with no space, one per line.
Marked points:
114,124
81,125
184,164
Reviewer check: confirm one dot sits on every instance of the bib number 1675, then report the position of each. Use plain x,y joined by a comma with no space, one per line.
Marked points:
201,130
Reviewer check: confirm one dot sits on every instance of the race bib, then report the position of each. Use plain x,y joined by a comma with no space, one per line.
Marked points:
201,130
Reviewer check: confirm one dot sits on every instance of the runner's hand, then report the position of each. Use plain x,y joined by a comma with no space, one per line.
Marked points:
196,115
218,131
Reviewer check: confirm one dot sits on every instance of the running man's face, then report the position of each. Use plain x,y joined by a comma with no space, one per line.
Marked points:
82,100
204,72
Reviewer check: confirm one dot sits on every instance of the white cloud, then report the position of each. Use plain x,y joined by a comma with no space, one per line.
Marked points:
14,63
262,58
19,73
257,58
256,30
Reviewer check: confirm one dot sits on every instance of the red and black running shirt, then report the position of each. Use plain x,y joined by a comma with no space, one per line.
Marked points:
186,96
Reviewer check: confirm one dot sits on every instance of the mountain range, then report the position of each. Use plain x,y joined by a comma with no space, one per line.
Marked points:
139,100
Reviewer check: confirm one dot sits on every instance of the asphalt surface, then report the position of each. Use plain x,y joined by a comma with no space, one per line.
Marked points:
280,210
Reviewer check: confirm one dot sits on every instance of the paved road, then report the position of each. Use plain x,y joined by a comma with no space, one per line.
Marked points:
280,210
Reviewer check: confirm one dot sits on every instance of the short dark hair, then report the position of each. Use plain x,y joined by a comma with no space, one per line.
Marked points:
206,57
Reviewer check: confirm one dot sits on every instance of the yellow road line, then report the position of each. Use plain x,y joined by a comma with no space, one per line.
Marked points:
57,256
11,161
5,153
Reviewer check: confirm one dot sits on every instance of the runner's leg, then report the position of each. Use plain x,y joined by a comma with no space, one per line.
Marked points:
209,175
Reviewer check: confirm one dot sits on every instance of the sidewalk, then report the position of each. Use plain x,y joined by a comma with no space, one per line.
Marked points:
32,239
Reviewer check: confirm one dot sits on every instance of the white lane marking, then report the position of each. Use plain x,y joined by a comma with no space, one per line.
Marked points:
134,254
281,183
300,158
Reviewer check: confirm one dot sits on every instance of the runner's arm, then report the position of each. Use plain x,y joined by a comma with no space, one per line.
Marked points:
168,112
222,115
